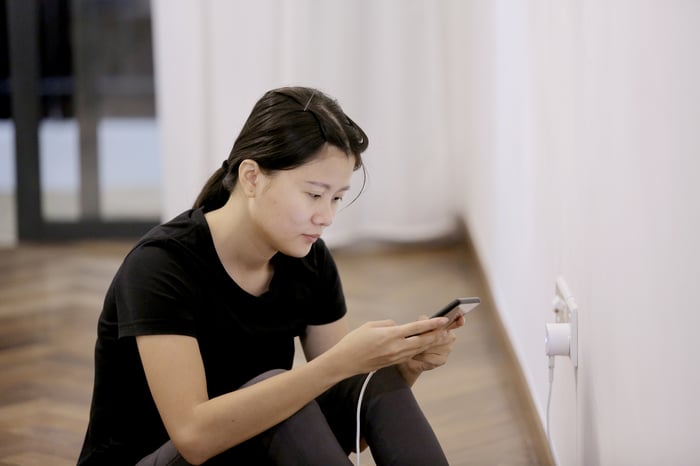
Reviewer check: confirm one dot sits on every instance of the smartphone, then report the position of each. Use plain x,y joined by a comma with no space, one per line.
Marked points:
457,307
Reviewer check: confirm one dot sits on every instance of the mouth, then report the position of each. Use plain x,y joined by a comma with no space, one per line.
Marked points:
311,238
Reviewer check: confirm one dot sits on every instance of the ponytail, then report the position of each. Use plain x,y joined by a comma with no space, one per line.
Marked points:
216,190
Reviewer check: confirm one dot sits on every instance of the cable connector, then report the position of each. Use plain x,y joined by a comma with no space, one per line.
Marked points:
559,306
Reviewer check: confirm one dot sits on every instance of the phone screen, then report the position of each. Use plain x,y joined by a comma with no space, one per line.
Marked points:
457,307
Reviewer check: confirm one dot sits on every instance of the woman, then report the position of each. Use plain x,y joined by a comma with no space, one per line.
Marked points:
193,360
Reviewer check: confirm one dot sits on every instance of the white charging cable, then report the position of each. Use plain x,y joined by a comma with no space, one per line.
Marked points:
549,395
359,405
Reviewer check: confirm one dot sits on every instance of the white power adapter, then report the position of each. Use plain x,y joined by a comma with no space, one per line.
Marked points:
561,337
557,340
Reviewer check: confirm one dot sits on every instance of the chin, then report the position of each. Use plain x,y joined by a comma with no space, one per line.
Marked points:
296,250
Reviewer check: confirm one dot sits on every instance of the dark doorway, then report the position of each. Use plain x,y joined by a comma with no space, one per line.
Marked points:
77,82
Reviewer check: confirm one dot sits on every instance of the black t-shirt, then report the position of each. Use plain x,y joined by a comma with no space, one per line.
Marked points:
172,282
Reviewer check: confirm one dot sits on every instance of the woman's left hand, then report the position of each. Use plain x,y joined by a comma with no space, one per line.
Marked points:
433,357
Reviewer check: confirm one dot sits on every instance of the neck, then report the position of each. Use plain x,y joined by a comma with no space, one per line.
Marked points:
237,243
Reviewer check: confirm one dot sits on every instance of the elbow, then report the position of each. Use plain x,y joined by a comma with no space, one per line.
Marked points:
192,447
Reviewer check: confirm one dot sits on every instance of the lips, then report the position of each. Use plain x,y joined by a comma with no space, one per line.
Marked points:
311,238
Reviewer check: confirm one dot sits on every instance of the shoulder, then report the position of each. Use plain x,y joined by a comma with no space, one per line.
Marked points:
185,227
180,243
184,233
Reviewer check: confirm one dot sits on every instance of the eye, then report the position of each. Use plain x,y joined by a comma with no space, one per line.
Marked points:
314,195
338,199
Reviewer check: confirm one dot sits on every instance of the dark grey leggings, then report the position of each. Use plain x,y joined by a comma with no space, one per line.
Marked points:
323,432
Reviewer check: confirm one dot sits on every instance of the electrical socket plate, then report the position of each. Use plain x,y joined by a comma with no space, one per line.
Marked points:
567,312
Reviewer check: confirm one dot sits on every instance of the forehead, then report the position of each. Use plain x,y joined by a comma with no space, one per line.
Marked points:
330,163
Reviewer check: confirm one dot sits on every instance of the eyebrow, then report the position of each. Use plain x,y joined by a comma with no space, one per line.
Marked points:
326,186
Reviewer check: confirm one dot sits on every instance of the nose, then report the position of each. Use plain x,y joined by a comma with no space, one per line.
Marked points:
324,215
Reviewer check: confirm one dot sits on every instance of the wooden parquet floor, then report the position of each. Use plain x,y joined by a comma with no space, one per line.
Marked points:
50,297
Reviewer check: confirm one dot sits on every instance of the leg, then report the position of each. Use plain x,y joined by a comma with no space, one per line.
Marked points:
166,455
396,429
392,423
304,439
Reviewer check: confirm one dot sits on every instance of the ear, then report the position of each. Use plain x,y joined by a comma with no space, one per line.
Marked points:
249,176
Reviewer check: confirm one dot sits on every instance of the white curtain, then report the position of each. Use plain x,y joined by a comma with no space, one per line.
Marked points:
386,61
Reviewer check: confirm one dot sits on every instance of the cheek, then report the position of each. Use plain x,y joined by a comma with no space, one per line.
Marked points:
298,215
288,210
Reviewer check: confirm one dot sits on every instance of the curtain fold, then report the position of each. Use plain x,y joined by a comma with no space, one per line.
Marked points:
383,60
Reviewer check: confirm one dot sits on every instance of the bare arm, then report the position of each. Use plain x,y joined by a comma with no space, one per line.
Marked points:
319,338
201,428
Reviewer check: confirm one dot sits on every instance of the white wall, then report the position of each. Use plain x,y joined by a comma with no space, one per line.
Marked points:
583,148
573,136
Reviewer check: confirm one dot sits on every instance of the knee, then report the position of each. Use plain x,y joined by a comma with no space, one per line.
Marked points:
389,379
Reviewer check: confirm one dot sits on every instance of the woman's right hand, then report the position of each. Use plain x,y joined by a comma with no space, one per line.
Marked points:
378,344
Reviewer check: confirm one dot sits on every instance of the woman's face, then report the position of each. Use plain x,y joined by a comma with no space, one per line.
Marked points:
292,208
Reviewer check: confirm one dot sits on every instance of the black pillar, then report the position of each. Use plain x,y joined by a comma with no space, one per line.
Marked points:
23,33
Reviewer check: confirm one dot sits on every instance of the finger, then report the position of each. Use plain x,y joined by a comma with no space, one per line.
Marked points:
422,326
382,323
427,342
458,322
431,361
440,348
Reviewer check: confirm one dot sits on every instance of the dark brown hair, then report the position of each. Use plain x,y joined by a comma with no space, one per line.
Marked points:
285,130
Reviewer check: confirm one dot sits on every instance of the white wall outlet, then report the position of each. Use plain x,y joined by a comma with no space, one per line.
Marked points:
564,332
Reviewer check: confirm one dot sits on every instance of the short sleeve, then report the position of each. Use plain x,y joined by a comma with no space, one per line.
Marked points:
154,293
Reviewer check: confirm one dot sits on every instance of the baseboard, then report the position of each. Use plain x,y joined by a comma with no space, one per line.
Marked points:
522,389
